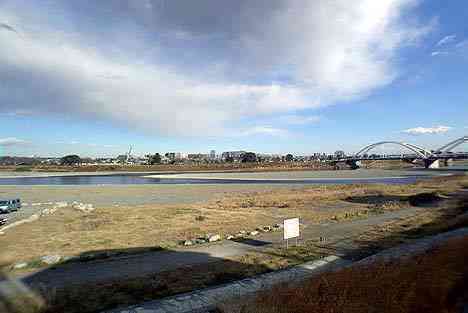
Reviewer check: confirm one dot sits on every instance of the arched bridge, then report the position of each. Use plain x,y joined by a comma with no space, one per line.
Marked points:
452,145
421,152
430,158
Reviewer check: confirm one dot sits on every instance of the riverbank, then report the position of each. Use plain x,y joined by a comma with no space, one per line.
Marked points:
70,232
135,274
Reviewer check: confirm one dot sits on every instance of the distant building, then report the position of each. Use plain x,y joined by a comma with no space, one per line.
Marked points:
340,154
197,156
236,155
171,156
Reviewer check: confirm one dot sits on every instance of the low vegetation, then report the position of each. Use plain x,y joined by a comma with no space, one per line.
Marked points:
436,281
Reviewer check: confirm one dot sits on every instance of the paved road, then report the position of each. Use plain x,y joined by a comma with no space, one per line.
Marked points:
155,262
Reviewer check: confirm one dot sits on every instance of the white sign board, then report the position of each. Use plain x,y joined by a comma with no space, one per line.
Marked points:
291,228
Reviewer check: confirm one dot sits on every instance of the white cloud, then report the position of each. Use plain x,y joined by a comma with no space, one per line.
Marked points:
331,51
12,141
264,130
427,130
446,40
436,53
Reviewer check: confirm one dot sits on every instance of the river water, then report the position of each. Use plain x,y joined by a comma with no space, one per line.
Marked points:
293,177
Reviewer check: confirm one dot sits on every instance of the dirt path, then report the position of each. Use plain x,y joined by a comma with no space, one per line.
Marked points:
155,262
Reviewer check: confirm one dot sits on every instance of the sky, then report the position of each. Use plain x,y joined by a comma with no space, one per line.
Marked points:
270,76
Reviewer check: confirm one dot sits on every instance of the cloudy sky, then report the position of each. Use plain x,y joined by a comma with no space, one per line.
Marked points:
93,77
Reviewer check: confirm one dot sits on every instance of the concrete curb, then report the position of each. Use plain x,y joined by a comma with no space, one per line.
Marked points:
202,301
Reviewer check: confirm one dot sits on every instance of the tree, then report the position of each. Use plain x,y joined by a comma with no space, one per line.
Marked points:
249,157
155,159
70,160
289,157
229,159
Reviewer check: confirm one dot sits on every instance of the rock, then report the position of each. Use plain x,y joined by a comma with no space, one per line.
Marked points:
51,259
69,258
243,232
48,211
278,226
19,266
214,238
229,237
83,207
254,233
267,228
188,243
60,204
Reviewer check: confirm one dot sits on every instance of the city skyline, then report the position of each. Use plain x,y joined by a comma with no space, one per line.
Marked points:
94,78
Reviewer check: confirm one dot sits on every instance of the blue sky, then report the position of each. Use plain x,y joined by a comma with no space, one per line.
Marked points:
93,77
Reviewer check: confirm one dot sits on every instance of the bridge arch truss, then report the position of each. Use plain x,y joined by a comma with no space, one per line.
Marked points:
419,151
452,145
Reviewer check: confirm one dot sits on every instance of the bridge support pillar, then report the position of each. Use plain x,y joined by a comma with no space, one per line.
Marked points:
448,162
431,163
354,164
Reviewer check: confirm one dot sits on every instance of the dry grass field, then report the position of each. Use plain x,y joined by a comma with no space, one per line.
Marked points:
70,232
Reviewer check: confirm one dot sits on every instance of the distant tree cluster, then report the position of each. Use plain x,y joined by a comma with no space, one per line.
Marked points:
289,157
155,159
70,160
249,157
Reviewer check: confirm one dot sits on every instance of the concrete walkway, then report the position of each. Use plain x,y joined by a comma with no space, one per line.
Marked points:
140,265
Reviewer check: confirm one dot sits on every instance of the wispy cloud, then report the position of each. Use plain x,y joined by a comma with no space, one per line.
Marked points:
436,53
462,44
446,40
299,119
12,141
427,130
265,130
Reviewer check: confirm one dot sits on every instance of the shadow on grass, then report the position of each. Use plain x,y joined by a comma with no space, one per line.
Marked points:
252,242
114,278
425,199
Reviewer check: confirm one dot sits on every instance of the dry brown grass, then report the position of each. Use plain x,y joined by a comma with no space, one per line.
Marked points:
70,232
436,281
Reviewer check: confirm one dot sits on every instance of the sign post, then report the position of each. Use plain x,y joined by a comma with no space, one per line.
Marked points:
291,230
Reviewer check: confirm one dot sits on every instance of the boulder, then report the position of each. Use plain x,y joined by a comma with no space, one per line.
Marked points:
267,228
188,243
277,226
254,233
214,238
229,237
60,204
19,266
51,259
83,207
